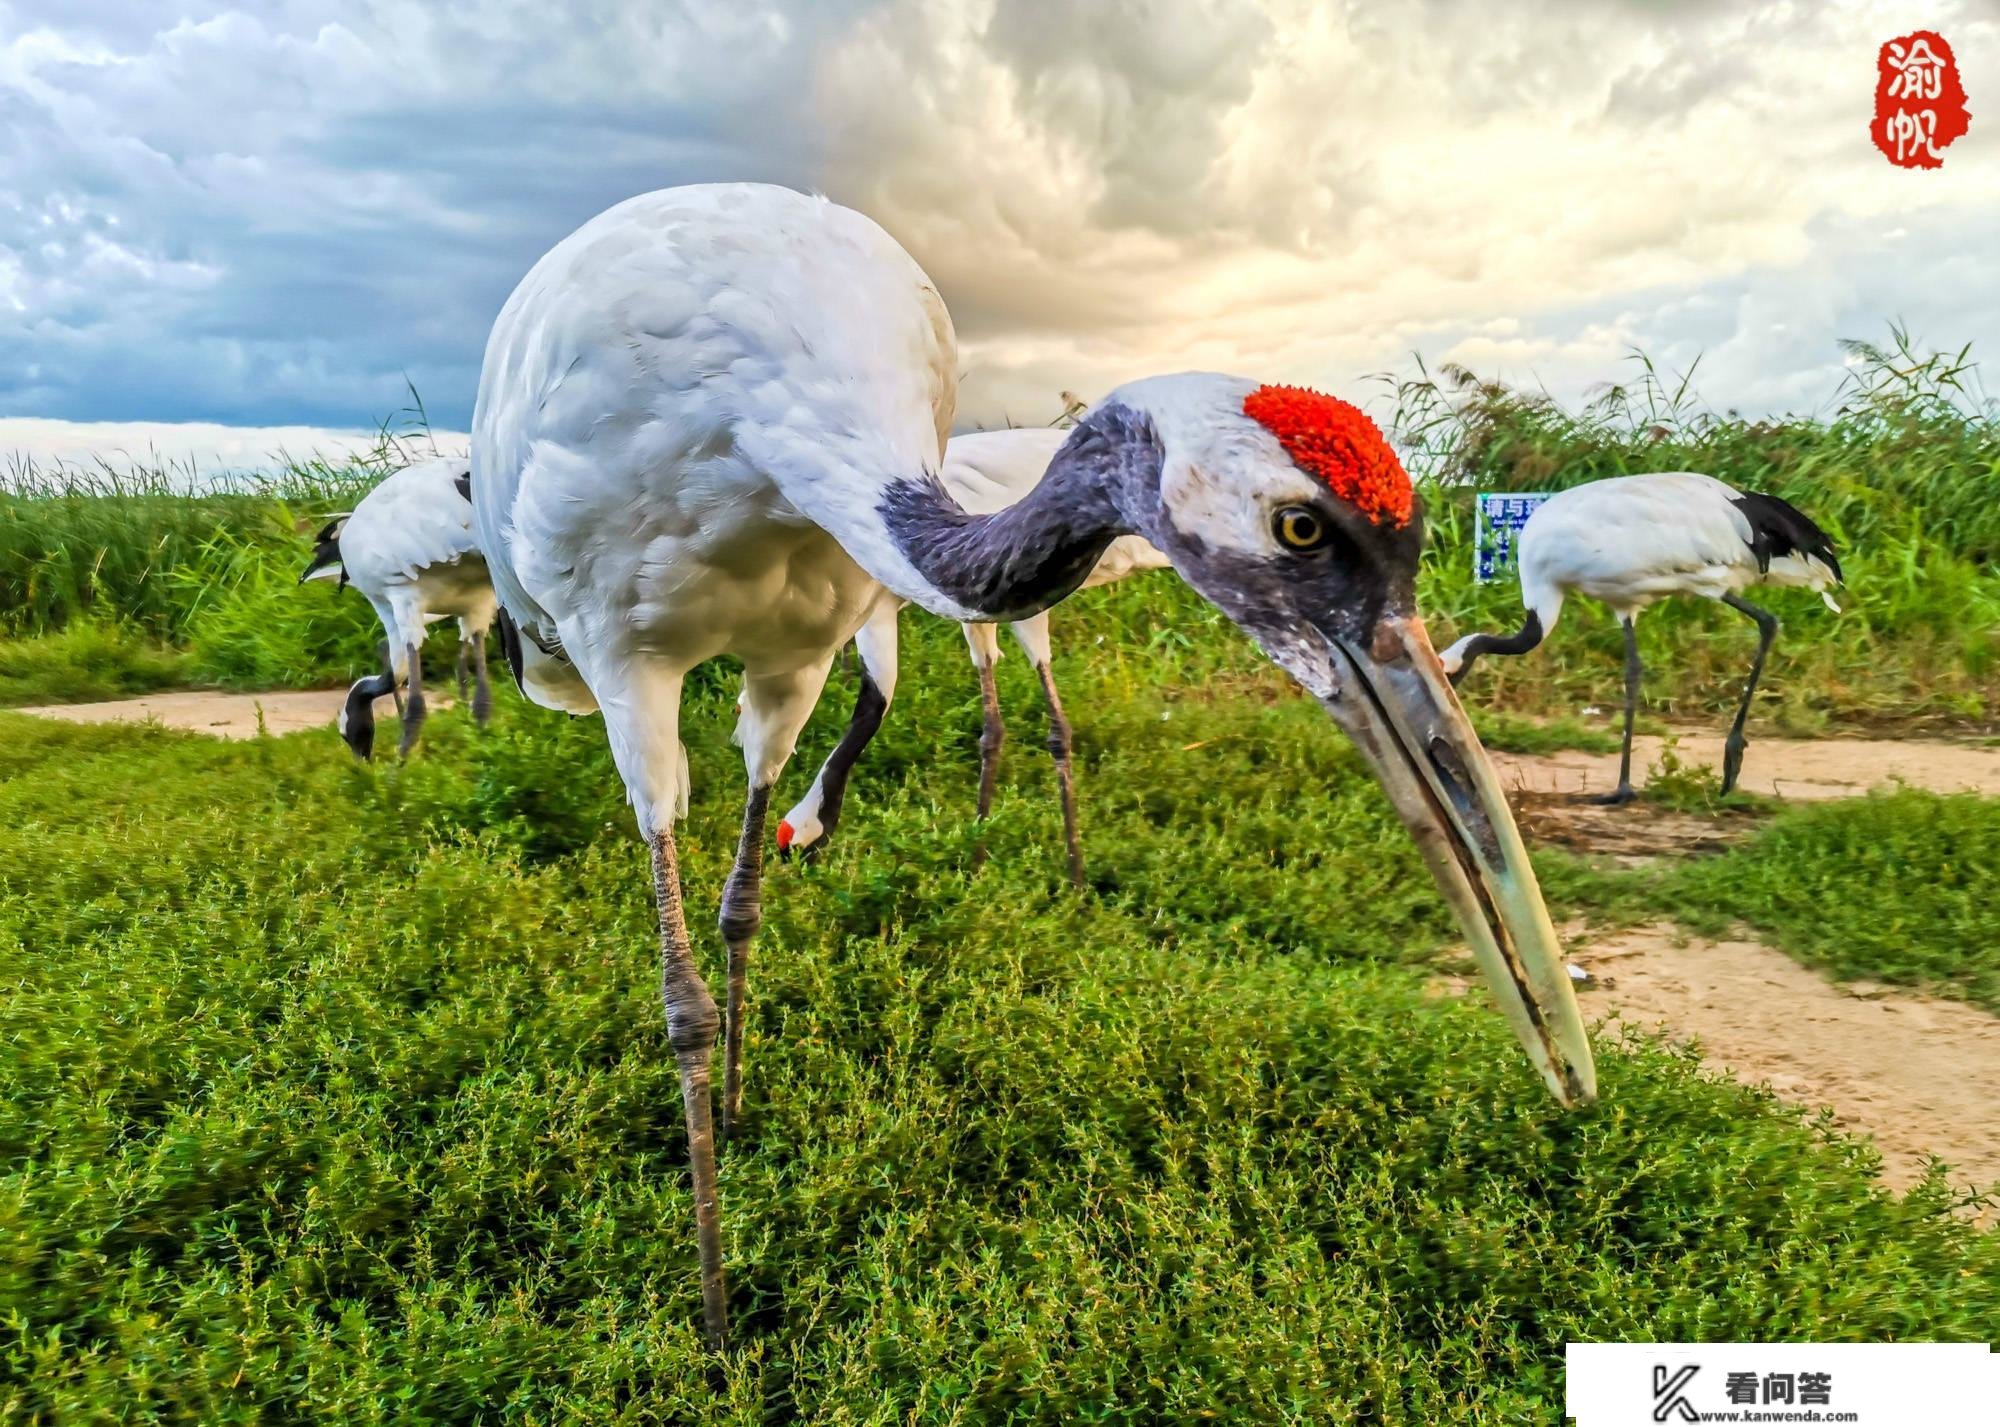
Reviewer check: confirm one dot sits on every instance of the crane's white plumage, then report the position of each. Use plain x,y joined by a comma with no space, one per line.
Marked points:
711,421
984,471
408,547
1631,541
659,400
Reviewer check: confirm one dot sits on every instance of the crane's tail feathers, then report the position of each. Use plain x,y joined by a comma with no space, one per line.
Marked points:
325,564
542,672
1779,530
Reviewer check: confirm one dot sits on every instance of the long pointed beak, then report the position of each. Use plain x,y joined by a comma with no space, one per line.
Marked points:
1395,702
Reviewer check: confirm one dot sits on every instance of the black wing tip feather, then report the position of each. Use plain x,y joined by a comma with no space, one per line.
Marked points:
510,646
1777,528
326,551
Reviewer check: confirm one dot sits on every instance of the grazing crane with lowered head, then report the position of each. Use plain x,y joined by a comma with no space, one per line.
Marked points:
984,471
408,547
710,421
1631,541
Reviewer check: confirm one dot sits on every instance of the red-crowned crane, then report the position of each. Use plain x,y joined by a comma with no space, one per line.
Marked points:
1631,541
984,471
710,421
408,547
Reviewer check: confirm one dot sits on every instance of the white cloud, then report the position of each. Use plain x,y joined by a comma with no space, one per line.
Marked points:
1363,178
184,449
275,212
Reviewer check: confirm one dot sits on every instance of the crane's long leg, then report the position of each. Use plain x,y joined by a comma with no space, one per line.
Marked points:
472,640
691,1026
1633,671
1733,746
775,708
1060,743
742,911
640,698
395,687
414,710
1033,634
482,690
992,732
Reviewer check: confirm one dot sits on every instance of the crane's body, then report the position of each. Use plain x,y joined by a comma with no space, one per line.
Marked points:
408,547
711,420
1632,541
984,471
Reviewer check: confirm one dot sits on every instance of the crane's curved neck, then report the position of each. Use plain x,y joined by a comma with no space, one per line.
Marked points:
1017,562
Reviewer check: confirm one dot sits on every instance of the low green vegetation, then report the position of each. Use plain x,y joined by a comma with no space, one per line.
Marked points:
1895,887
343,1092
85,661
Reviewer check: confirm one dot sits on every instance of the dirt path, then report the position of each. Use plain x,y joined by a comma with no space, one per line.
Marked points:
222,715
1916,1075
1548,790
1796,769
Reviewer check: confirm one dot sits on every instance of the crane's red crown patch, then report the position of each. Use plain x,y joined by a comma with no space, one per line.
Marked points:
1335,442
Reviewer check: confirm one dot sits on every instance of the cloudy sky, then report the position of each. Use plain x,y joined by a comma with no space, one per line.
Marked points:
269,215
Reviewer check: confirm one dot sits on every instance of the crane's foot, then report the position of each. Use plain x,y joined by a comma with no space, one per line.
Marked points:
1617,798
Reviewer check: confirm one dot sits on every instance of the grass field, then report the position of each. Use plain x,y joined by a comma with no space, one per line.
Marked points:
342,1092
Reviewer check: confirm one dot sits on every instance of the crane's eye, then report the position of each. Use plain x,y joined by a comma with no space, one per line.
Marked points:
1300,528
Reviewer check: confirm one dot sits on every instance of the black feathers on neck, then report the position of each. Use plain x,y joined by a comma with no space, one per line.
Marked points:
1019,561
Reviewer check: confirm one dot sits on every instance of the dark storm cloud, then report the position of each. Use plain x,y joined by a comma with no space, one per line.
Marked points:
275,213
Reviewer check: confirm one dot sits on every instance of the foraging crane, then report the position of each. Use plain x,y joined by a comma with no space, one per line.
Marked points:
984,471
408,547
709,421
1632,541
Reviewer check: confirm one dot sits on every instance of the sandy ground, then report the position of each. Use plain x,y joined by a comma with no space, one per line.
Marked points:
1915,1074
223,715
1796,769
1548,790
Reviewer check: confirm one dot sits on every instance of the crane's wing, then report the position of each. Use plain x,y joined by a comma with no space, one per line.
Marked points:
414,519
1646,535
707,344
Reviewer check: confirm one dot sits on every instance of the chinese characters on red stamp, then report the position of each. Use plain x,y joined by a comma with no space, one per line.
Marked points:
1919,100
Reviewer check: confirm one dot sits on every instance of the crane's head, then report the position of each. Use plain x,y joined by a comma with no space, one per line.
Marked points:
1291,513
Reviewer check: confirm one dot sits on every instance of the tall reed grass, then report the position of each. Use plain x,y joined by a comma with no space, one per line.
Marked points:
1902,469
1902,466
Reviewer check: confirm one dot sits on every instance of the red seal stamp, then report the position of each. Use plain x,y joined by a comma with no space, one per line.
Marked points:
1919,100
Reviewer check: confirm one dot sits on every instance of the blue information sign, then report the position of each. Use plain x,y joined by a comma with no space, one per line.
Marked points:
1498,522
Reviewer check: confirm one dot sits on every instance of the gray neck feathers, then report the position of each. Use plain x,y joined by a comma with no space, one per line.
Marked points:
1018,561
